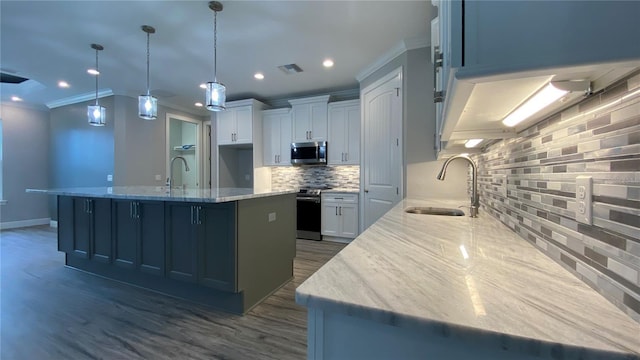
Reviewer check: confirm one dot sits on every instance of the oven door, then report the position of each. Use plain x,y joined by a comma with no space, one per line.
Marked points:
309,215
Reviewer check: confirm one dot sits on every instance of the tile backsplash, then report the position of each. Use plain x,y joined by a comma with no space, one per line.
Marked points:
599,137
286,177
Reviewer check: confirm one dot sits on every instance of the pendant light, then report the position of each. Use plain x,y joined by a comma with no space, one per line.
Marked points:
96,114
147,104
216,92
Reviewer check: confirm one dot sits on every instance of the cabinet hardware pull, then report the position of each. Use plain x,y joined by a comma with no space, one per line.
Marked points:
346,156
192,222
137,210
198,214
131,209
90,203
310,134
336,210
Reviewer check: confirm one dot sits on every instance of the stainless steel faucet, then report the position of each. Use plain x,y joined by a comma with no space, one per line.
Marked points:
475,201
170,178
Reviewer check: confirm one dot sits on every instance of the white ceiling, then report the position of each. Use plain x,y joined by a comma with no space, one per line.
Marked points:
48,41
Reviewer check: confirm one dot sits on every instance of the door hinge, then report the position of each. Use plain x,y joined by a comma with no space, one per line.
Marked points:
438,96
397,142
397,191
397,91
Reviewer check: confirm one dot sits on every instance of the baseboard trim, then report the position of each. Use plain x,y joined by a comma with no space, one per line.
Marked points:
24,223
336,239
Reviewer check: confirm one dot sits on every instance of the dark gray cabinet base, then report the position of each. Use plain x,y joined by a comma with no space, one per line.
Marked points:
227,255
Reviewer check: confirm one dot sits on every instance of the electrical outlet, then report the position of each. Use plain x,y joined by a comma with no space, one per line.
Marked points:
502,188
272,217
109,177
584,199
159,177
247,177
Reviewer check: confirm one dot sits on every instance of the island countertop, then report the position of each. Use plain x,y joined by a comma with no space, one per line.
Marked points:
470,278
216,195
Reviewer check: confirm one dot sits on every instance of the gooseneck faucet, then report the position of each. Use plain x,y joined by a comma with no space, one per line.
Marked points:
475,201
170,178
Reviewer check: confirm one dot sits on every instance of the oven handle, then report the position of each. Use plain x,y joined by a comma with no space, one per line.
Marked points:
308,199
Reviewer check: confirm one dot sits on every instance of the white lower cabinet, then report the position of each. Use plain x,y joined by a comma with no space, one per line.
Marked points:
339,215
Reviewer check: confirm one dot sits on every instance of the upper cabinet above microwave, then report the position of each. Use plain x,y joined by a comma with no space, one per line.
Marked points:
491,56
309,118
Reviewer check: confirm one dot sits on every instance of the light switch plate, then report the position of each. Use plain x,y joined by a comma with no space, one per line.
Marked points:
109,177
584,199
158,177
272,217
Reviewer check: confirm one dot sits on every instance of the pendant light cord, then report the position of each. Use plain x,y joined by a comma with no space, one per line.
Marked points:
98,74
215,43
148,64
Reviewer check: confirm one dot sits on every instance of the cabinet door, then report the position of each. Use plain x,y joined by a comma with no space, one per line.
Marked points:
125,233
150,218
181,243
244,125
330,219
270,139
81,227
225,124
284,158
318,122
101,224
352,139
348,220
337,135
65,224
301,122
217,249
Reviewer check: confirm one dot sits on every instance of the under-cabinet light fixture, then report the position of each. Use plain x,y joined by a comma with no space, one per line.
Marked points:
471,143
544,97
216,92
96,114
147,104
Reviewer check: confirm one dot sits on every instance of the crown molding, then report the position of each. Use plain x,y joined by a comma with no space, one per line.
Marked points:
78,98
397,50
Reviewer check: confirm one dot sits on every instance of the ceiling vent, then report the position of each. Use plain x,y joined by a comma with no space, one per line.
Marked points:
11,79
290,69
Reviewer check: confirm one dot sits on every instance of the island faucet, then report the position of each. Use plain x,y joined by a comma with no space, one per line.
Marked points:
475,201
170,178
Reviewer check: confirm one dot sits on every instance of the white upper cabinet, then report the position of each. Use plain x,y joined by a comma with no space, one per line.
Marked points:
490,56
309,118
276,137
344,133
236,124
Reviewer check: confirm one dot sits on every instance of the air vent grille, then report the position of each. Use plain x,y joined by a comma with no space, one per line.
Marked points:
11,79
290,69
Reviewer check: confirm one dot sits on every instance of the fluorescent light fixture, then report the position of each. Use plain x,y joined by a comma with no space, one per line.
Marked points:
543,98
472,143
258,76
327,63
63,84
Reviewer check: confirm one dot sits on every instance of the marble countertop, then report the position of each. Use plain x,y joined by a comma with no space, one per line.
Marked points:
342,191
470,278
216,195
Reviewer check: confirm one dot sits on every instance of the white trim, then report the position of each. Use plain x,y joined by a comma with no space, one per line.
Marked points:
53,223
401,47
24,223
200,153
78,98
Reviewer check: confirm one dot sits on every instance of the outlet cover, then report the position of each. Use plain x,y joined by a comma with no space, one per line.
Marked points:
584,199
159,177
109,177
272,217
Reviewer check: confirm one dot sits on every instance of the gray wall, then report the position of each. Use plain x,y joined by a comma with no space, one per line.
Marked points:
25,163
421,166
541,166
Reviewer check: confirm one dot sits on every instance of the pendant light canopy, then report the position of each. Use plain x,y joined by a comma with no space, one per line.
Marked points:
147,104
96,114
216,92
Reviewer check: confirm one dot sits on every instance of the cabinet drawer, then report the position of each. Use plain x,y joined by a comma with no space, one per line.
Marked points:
340,197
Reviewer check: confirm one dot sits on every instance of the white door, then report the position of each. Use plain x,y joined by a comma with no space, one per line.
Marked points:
352,148
301,122
381,143
330,219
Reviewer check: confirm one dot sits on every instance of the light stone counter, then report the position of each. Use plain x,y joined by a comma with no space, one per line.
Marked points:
342,191
217,195
472,280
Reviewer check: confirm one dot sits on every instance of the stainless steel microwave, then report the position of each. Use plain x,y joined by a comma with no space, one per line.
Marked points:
309,153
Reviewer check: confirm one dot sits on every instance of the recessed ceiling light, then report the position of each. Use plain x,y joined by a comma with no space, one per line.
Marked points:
15,98
93,71
63,84
198,104
203,86
327,63
258,76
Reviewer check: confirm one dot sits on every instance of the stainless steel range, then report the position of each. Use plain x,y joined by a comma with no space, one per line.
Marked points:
309,213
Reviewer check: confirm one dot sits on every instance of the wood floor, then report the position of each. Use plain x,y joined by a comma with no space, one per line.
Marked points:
52,312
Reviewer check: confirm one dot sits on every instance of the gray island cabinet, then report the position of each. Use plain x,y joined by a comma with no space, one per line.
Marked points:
227,248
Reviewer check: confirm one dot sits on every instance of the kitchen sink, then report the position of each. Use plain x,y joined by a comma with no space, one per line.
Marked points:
434,211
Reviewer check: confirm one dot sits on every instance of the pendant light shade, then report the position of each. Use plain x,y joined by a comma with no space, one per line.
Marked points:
147,104
96,114
216,92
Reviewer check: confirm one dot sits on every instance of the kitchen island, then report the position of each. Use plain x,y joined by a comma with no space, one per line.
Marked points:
228,247
416,286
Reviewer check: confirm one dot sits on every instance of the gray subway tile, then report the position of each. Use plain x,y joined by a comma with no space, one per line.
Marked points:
596,256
